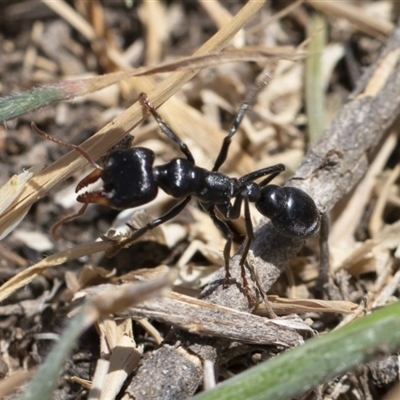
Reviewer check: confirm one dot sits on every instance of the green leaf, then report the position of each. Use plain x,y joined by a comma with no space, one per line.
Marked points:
321,359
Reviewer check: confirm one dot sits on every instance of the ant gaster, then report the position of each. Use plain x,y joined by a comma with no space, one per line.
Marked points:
130,179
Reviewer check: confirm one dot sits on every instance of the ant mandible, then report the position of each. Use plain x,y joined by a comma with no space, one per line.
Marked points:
130,179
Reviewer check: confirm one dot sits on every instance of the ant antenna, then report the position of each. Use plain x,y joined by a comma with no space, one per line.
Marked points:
68,218
65,144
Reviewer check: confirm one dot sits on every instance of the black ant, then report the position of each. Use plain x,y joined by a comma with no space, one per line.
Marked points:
130,180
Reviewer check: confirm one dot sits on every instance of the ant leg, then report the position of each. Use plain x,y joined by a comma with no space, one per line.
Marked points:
272,171
248,241
227,232
65,144
323,279
243,260
248,102
233,212
173,212
68,218
165,128
230,211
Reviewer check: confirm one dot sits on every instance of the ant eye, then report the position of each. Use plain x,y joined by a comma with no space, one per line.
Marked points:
110,161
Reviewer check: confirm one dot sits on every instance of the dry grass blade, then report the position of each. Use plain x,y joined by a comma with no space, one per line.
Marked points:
363,21
377,217
276,17
14,381
27,275
345,225
123,356
9,192
217,12
153,15
315,89
248,53
19,104
282,306
97,385
111,299
114,299
74,18
123,361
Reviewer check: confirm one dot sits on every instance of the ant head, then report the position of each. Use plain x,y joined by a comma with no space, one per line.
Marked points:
128,180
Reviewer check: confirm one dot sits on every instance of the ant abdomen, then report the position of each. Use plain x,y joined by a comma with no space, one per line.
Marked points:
291,210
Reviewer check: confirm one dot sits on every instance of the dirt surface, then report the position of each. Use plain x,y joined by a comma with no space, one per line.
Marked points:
40,45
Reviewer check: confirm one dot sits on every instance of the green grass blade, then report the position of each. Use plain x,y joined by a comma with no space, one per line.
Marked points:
319,360
18,104
315,90
44,383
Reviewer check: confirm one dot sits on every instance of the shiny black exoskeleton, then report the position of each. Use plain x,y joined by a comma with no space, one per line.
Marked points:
130,180
291,210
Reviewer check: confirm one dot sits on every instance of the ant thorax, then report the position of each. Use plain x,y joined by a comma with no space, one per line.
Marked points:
180,178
